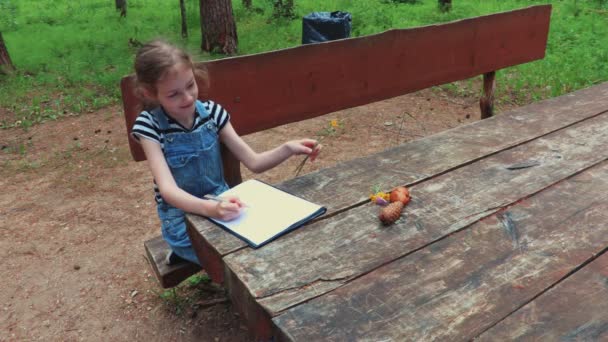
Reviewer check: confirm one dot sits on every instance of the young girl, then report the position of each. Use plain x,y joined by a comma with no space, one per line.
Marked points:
181,141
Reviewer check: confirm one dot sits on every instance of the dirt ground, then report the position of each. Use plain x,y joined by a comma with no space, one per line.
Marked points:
75,211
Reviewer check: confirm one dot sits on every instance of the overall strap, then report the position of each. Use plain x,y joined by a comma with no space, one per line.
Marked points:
160,116
201,110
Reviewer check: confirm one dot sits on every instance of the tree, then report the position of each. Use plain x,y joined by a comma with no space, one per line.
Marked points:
121,5
6,65
182,8
218,28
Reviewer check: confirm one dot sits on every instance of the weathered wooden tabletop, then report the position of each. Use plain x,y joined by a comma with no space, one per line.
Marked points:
503,239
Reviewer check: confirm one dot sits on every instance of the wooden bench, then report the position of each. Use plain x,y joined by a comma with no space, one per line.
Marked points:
168,275
266,90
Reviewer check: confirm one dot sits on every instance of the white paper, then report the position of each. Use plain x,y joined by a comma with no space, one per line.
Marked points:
270,211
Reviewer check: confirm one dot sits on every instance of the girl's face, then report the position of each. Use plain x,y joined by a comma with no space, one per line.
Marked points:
177,91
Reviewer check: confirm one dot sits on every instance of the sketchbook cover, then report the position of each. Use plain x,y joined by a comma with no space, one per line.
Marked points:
271,212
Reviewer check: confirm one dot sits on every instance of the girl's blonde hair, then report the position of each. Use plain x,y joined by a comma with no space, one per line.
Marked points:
155,58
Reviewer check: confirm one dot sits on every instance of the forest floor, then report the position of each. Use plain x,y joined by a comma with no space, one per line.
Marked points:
76,209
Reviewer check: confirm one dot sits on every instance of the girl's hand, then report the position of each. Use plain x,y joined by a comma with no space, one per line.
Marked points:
229,209
305,146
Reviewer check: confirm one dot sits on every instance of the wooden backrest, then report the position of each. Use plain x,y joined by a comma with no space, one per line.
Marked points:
266,90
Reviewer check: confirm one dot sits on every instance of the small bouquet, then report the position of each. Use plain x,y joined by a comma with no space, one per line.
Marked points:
380,198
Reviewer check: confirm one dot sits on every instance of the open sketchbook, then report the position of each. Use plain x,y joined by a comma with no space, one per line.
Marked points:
270,213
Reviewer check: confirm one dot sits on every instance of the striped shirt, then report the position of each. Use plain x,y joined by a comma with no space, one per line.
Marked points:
146,126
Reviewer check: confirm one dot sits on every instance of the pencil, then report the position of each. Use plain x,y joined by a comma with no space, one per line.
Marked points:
221,199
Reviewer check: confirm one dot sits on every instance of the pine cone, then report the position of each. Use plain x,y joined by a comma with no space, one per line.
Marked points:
391,213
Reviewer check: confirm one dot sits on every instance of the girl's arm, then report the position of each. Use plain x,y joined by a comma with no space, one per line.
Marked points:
178,197
260,162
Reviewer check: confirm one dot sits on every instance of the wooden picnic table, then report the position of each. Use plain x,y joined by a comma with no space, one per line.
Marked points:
504,238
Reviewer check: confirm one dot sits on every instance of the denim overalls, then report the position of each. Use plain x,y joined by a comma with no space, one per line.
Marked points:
196,164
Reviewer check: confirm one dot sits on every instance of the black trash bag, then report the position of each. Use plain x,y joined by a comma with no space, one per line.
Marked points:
323,26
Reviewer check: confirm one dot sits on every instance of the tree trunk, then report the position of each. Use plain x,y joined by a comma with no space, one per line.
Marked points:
445,5
6,65
218,28
247,4
182,8
122,6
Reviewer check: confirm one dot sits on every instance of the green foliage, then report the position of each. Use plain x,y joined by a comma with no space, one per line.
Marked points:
184,298
8,15
403,1
199,278
283,9
332,128
71,55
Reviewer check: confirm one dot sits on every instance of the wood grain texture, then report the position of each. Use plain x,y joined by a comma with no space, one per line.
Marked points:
348,184
456,288
290,271
206,253
316,79
347,245
574,310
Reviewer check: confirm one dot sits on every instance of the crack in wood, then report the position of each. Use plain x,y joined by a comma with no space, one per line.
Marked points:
481,214
304,286
523,165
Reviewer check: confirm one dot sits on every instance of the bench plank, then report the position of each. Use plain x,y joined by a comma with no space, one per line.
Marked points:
574,310
168,275
327,254
456,288
316,79
427,157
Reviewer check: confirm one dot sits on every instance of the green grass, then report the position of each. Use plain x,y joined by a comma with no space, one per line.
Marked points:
184,297
70,66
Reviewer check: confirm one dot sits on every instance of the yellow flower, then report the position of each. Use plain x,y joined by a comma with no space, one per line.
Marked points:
380,194
334,123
